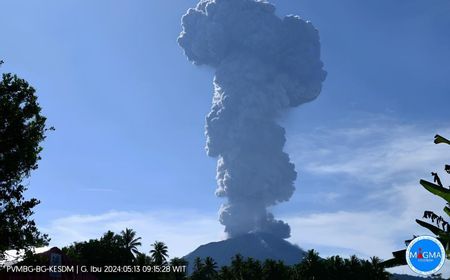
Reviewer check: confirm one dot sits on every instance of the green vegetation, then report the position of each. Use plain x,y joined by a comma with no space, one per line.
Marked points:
130,242
110,249
159,253
22,129
113,249
438,226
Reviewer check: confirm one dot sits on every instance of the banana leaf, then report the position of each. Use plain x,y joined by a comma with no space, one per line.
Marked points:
447,210
398,259
432,228
439,139
445,240
436,189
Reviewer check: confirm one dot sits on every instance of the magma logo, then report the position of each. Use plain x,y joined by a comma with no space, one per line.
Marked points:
425,255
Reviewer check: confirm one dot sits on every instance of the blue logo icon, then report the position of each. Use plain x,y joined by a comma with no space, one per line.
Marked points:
425,255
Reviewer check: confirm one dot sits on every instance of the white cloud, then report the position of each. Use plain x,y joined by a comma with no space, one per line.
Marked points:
366,234
377,152
182,231
359,232
387,160
375,232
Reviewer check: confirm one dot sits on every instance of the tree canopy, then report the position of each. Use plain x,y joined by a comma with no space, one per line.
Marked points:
22,129
111,249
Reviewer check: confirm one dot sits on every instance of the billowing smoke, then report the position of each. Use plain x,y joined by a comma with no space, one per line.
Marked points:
264,65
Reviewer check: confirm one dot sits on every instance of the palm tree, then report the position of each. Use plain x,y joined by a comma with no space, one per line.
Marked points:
252,269
336,267
159,253
197,273
237,266
142,259
273,270
353,267
130,242
310,267
178,275
226,274
209,268
198,264
378,272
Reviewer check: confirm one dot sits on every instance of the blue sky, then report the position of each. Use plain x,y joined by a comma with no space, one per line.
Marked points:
129,112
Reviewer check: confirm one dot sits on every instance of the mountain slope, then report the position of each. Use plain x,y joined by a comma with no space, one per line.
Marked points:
259,246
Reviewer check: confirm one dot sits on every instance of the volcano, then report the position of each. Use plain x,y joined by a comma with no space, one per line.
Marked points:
259,246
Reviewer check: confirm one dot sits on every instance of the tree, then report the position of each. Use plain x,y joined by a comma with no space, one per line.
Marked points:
198,264
237,266
142,259
311,267
353,266
252,269
159,253
438,226
108,250
210,268
274,270
226,274
204,270
197,273
441,228
178,275
130,242
22,129
336,267
377,271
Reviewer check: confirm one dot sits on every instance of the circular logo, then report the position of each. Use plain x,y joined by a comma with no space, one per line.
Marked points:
425,255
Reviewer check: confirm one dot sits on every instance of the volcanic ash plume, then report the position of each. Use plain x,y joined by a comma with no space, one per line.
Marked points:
264,64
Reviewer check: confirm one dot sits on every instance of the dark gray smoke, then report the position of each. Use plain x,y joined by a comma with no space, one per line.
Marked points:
264,65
